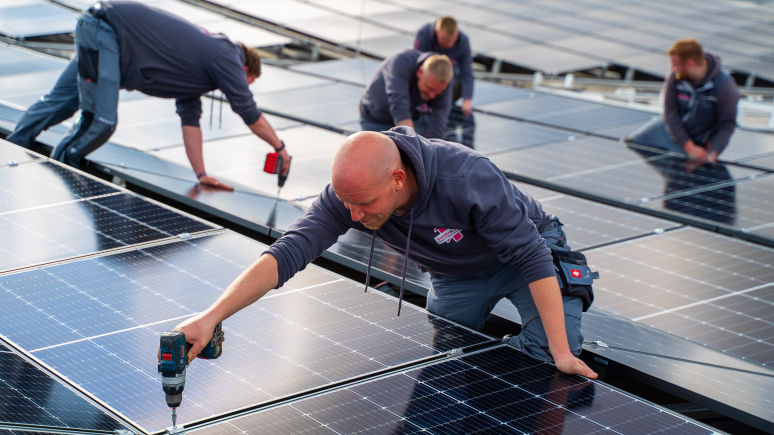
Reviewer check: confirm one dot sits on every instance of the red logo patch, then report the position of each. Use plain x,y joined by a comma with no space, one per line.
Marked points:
446,235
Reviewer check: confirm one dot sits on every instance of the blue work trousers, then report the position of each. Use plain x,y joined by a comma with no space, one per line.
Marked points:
468,300
91,82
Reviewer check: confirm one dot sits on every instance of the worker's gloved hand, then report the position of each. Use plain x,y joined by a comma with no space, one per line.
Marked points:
198,332
211,181
572,365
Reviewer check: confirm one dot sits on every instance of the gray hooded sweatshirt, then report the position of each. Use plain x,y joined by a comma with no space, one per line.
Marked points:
466,217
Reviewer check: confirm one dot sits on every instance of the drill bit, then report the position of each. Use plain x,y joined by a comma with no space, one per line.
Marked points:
174,417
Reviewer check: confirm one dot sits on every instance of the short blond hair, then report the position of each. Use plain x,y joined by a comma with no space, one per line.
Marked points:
252,60
447,23
687,48
440,67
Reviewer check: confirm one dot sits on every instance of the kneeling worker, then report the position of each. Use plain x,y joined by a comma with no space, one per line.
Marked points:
453,212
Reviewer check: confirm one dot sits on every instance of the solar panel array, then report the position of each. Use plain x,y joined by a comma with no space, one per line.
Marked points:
495,391
553,37
709,288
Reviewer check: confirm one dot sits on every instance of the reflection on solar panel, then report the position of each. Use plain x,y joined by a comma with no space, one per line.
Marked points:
36,184
495,391
706,287
30,396
11,154
40,235
109,311
32,18
719,381
747,205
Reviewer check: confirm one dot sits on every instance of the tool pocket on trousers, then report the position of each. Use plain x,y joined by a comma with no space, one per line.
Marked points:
575,276
88,63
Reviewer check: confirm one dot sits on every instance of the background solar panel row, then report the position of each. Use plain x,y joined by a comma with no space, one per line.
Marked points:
710,288
497,391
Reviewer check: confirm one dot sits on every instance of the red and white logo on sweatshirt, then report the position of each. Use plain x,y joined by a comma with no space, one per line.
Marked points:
446,235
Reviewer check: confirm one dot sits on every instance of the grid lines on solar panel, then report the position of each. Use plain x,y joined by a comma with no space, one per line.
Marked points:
109,311
39,235
706,287
720,379
36,184
30,396
494,391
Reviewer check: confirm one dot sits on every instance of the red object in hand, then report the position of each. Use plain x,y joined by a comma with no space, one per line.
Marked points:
272,165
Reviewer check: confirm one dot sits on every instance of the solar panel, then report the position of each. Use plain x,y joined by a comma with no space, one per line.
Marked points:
108,312
497,391
588,223
31,397
704,376
592,117
331,104
57,232
241,159
355,69
495,134
44,183
11,154
245,206
35,18
703,286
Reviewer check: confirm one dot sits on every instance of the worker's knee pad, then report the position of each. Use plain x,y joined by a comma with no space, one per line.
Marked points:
87,135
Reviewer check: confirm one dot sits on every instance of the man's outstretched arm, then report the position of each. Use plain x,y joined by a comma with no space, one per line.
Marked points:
248,287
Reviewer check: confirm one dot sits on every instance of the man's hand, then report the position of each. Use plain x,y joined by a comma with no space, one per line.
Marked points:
467,107
694,151
208,180
407,122
572,365
285,161
712,156
198,332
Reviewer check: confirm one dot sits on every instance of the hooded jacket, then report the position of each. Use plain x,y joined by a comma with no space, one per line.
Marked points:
459,53
704,111
393,95
165,56
466,217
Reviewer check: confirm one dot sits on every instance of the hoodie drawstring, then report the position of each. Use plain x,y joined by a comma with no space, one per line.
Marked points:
370,259
405,259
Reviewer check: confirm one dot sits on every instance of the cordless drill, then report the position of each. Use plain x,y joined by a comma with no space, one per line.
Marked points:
174,359
273,165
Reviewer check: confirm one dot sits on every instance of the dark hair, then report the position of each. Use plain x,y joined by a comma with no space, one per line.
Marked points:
252,60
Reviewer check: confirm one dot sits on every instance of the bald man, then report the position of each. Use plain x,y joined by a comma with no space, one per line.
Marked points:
450,210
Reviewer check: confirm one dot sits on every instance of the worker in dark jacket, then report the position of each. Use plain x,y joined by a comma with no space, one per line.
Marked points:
699,106
443,37
129,45
409,88
453,212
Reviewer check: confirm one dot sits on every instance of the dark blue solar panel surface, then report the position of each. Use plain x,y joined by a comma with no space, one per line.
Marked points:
40,235
495,134
495,391
747,205
720,380
331,104
109,311
706,287
30,396
36,184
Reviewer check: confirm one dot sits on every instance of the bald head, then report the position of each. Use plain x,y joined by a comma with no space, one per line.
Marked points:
365,159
